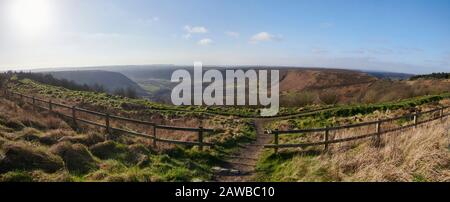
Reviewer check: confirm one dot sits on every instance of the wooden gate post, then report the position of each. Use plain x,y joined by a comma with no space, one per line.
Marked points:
276,134
200,138
326,138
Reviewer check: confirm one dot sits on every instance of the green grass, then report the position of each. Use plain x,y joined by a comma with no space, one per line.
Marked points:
178,164
282,168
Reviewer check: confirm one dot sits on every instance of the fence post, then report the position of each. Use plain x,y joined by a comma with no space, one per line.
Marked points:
415,119
154,135
107,126
73,115
34,103
378,140
50,108
441,113
200,137
326,138
276,134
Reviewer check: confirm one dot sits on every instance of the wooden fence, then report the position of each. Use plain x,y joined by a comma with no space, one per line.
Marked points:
326,140
109,117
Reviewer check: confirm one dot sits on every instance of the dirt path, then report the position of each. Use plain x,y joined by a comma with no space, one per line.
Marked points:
241,168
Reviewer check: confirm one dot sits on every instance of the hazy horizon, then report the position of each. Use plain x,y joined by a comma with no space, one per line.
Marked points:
391,36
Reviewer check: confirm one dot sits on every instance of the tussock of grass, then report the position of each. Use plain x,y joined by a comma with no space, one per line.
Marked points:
22,156
77,157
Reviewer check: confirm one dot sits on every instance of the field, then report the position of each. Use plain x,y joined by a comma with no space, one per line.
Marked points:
40,146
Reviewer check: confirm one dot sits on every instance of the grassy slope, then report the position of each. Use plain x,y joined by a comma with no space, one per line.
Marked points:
416,155
124,160
271,167
420,155
176,164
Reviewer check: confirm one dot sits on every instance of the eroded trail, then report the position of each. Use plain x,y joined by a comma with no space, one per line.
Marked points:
241,167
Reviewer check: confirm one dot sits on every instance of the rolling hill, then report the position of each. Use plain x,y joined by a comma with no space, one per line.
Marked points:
298,86
111,81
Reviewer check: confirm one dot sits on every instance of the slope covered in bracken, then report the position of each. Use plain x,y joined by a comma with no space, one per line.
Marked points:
300,87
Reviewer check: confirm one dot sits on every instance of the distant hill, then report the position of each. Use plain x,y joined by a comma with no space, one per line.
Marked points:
299,85
389,75
111,81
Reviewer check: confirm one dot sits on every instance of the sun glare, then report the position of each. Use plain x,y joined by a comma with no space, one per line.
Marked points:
31,15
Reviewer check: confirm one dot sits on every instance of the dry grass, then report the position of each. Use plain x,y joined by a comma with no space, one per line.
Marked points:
420,154
416,155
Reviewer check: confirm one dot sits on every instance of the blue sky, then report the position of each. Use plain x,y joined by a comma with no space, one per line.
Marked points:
396,35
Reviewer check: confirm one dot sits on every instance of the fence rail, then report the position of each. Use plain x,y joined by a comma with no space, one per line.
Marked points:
377,133
108,118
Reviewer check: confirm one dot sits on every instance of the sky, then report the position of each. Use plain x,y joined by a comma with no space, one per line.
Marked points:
411,36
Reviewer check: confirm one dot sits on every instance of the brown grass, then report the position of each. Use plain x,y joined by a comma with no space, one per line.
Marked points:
420,154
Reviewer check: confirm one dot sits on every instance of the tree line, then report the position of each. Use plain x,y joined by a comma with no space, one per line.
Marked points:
71,85
440,75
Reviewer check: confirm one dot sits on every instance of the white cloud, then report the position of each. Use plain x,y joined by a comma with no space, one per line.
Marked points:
264,36
205,42
195,29
232,34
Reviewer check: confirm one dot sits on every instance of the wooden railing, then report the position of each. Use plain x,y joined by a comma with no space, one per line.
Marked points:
109,117
377,133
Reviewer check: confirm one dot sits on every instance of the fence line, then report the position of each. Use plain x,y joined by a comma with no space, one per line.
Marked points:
378,126
107,117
